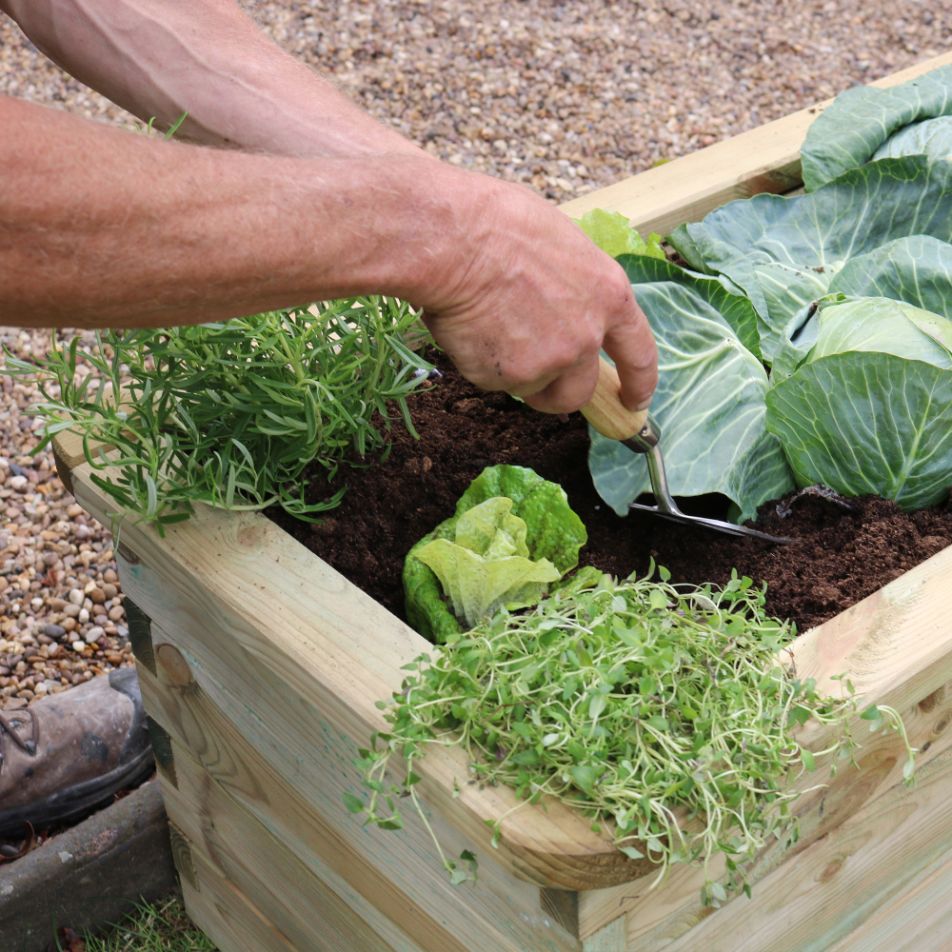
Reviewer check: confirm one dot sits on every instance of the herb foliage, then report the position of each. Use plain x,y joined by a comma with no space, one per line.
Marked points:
666,713
232,413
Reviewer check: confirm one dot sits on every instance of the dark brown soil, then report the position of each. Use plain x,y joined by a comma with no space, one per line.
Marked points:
837,556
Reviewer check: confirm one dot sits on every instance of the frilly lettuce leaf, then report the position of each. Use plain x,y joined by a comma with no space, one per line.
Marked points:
553,532
612,232
487,567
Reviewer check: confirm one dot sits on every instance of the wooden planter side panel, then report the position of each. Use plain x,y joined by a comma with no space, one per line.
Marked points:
917,918
282,760
329,645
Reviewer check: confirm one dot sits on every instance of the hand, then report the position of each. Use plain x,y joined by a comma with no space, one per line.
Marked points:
525,301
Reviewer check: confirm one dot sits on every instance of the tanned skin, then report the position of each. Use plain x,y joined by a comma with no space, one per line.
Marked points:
282,192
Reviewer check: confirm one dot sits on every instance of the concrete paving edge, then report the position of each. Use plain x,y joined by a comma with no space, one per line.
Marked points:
90,875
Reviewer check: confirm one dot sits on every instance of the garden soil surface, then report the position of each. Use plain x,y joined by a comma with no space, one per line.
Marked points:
837,555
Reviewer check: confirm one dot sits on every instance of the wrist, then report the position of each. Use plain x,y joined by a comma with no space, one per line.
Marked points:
446,221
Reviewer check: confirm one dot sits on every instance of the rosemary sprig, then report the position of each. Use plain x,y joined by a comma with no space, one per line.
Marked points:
233,413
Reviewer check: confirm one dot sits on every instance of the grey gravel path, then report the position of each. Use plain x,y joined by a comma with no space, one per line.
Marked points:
564,97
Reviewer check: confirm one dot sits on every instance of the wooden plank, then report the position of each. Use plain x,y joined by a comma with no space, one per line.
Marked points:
398,873
914,920
241,777
838,882
896,645
229,918
305,908
765,159
610,938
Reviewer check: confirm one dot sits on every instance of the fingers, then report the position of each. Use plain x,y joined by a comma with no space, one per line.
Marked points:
631,345
569,391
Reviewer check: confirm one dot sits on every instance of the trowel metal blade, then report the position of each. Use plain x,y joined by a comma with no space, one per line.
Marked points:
716,525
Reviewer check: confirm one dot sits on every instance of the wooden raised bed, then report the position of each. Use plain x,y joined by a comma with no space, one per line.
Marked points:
260,666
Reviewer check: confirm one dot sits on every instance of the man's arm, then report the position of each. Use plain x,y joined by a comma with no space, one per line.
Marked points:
100,227
160,58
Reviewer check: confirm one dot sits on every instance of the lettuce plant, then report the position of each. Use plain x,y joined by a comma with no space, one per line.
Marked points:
612,232
487,565
512,533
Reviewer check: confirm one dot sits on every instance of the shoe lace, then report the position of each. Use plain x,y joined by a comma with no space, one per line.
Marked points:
10,721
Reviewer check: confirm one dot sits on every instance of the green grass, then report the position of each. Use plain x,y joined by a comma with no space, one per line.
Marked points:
153,927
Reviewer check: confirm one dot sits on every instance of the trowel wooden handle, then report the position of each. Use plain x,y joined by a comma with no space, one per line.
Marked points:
606,412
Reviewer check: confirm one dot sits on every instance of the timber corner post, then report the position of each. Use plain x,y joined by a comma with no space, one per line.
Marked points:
143,648
258,724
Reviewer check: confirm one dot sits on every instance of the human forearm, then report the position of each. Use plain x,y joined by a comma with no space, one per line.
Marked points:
163,57
100,227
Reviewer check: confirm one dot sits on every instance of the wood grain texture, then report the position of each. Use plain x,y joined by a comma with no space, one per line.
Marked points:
237,778
606,412
916,919
841,880
228,917
248,750
305,908
896,646
765,159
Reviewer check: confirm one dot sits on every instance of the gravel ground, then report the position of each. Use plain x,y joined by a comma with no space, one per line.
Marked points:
564,97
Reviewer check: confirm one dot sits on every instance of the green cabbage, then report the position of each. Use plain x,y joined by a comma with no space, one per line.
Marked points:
868,123
867,410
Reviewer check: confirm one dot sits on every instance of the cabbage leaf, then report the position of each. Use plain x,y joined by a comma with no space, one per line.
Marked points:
867,409
710,401
784,253
867,123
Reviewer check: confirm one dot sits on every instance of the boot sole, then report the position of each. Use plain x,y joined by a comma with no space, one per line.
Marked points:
74,802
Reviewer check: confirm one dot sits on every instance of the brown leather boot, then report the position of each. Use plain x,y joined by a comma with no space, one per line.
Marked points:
70,752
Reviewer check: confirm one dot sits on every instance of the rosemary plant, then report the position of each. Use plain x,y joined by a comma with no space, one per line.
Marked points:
233,413
666,712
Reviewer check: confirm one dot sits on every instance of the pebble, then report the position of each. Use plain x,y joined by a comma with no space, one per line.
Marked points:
561,97
54,631
94,634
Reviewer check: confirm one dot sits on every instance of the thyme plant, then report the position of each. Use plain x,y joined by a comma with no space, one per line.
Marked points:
667,712
232,413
